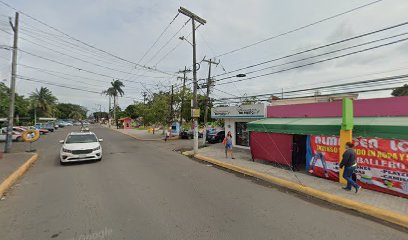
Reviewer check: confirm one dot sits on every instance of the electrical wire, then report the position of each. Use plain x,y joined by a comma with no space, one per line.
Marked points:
318,47
299,28
316,62
77,40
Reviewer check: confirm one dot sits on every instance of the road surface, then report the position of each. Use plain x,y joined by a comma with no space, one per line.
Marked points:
142,191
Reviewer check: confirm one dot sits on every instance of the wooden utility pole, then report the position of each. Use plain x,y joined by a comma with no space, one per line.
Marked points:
209,84
195,112
7,146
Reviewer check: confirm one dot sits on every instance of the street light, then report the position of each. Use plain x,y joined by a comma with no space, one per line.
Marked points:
182,38
240,75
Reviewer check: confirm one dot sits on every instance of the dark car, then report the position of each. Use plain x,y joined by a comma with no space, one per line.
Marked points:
216,137
189,134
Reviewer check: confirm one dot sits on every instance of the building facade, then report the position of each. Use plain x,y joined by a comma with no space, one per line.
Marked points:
236,119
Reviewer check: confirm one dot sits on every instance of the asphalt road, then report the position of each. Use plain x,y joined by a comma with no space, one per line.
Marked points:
142,191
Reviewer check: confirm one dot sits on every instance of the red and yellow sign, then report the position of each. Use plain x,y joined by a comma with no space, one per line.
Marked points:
382,164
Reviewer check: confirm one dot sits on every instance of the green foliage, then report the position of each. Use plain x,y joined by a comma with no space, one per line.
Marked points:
21,104
67,110
44,102
98,115
400,91
132,111
157,108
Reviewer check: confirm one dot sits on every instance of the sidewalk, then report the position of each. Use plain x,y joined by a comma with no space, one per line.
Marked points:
243,159
12,166
174,144
142,134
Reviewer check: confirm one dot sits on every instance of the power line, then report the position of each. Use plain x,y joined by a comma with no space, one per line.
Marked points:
374,81
82,60
77,40
47,71
317,62
72,66
171,38
157,40
61,85
326,53
317,48
299,28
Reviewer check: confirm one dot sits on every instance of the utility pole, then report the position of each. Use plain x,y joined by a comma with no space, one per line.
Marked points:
144,97
109,112
195,112
209,84
182,92
171,107
7,146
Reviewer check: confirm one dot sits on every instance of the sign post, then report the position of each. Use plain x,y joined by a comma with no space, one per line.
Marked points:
346,132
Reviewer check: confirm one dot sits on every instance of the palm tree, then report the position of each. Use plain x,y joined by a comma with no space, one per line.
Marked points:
43,101
114,91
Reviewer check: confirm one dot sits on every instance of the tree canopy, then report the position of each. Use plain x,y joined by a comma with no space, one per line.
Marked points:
400,91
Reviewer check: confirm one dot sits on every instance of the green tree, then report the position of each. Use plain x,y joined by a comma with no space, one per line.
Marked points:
400,91
43,102
64,110
133,111
21,103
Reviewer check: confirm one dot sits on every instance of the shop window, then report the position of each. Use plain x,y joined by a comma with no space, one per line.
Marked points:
242,134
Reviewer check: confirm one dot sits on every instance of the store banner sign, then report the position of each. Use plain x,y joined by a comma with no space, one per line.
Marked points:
243,111
382,164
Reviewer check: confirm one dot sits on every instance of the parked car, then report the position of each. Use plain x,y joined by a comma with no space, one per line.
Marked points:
189,134
15,137
216,136
42,131
80,146
77,123
47,126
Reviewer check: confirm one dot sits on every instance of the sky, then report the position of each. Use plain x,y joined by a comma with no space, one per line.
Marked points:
128,28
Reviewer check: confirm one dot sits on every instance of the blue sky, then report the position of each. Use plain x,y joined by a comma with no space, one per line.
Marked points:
128,28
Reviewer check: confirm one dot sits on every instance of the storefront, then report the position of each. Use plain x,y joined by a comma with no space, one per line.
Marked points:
236,119
313,143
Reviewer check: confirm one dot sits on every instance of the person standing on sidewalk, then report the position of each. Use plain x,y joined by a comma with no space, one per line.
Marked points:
228,145
349,163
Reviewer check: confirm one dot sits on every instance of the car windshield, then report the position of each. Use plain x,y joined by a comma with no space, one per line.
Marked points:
86,138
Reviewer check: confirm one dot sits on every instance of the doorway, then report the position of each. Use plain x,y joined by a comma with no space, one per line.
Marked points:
299,152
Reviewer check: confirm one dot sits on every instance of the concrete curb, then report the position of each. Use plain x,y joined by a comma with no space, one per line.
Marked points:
378,213
143,139
10,180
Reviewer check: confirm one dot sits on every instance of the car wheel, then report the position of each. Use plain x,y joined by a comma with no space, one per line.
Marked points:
19,139
63,163
98,160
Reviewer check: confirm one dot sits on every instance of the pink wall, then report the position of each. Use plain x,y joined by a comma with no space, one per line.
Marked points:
394,106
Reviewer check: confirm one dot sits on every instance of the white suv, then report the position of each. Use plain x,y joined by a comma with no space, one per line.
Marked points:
80,146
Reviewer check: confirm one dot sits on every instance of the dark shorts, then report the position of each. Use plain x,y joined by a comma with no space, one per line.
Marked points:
228,146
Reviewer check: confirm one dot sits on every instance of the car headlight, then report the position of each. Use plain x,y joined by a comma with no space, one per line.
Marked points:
66,150
97,148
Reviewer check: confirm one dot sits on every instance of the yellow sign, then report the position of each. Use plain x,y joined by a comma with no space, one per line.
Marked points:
195,112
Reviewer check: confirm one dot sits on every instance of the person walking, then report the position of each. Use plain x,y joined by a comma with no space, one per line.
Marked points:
167,135
349,163
228,145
